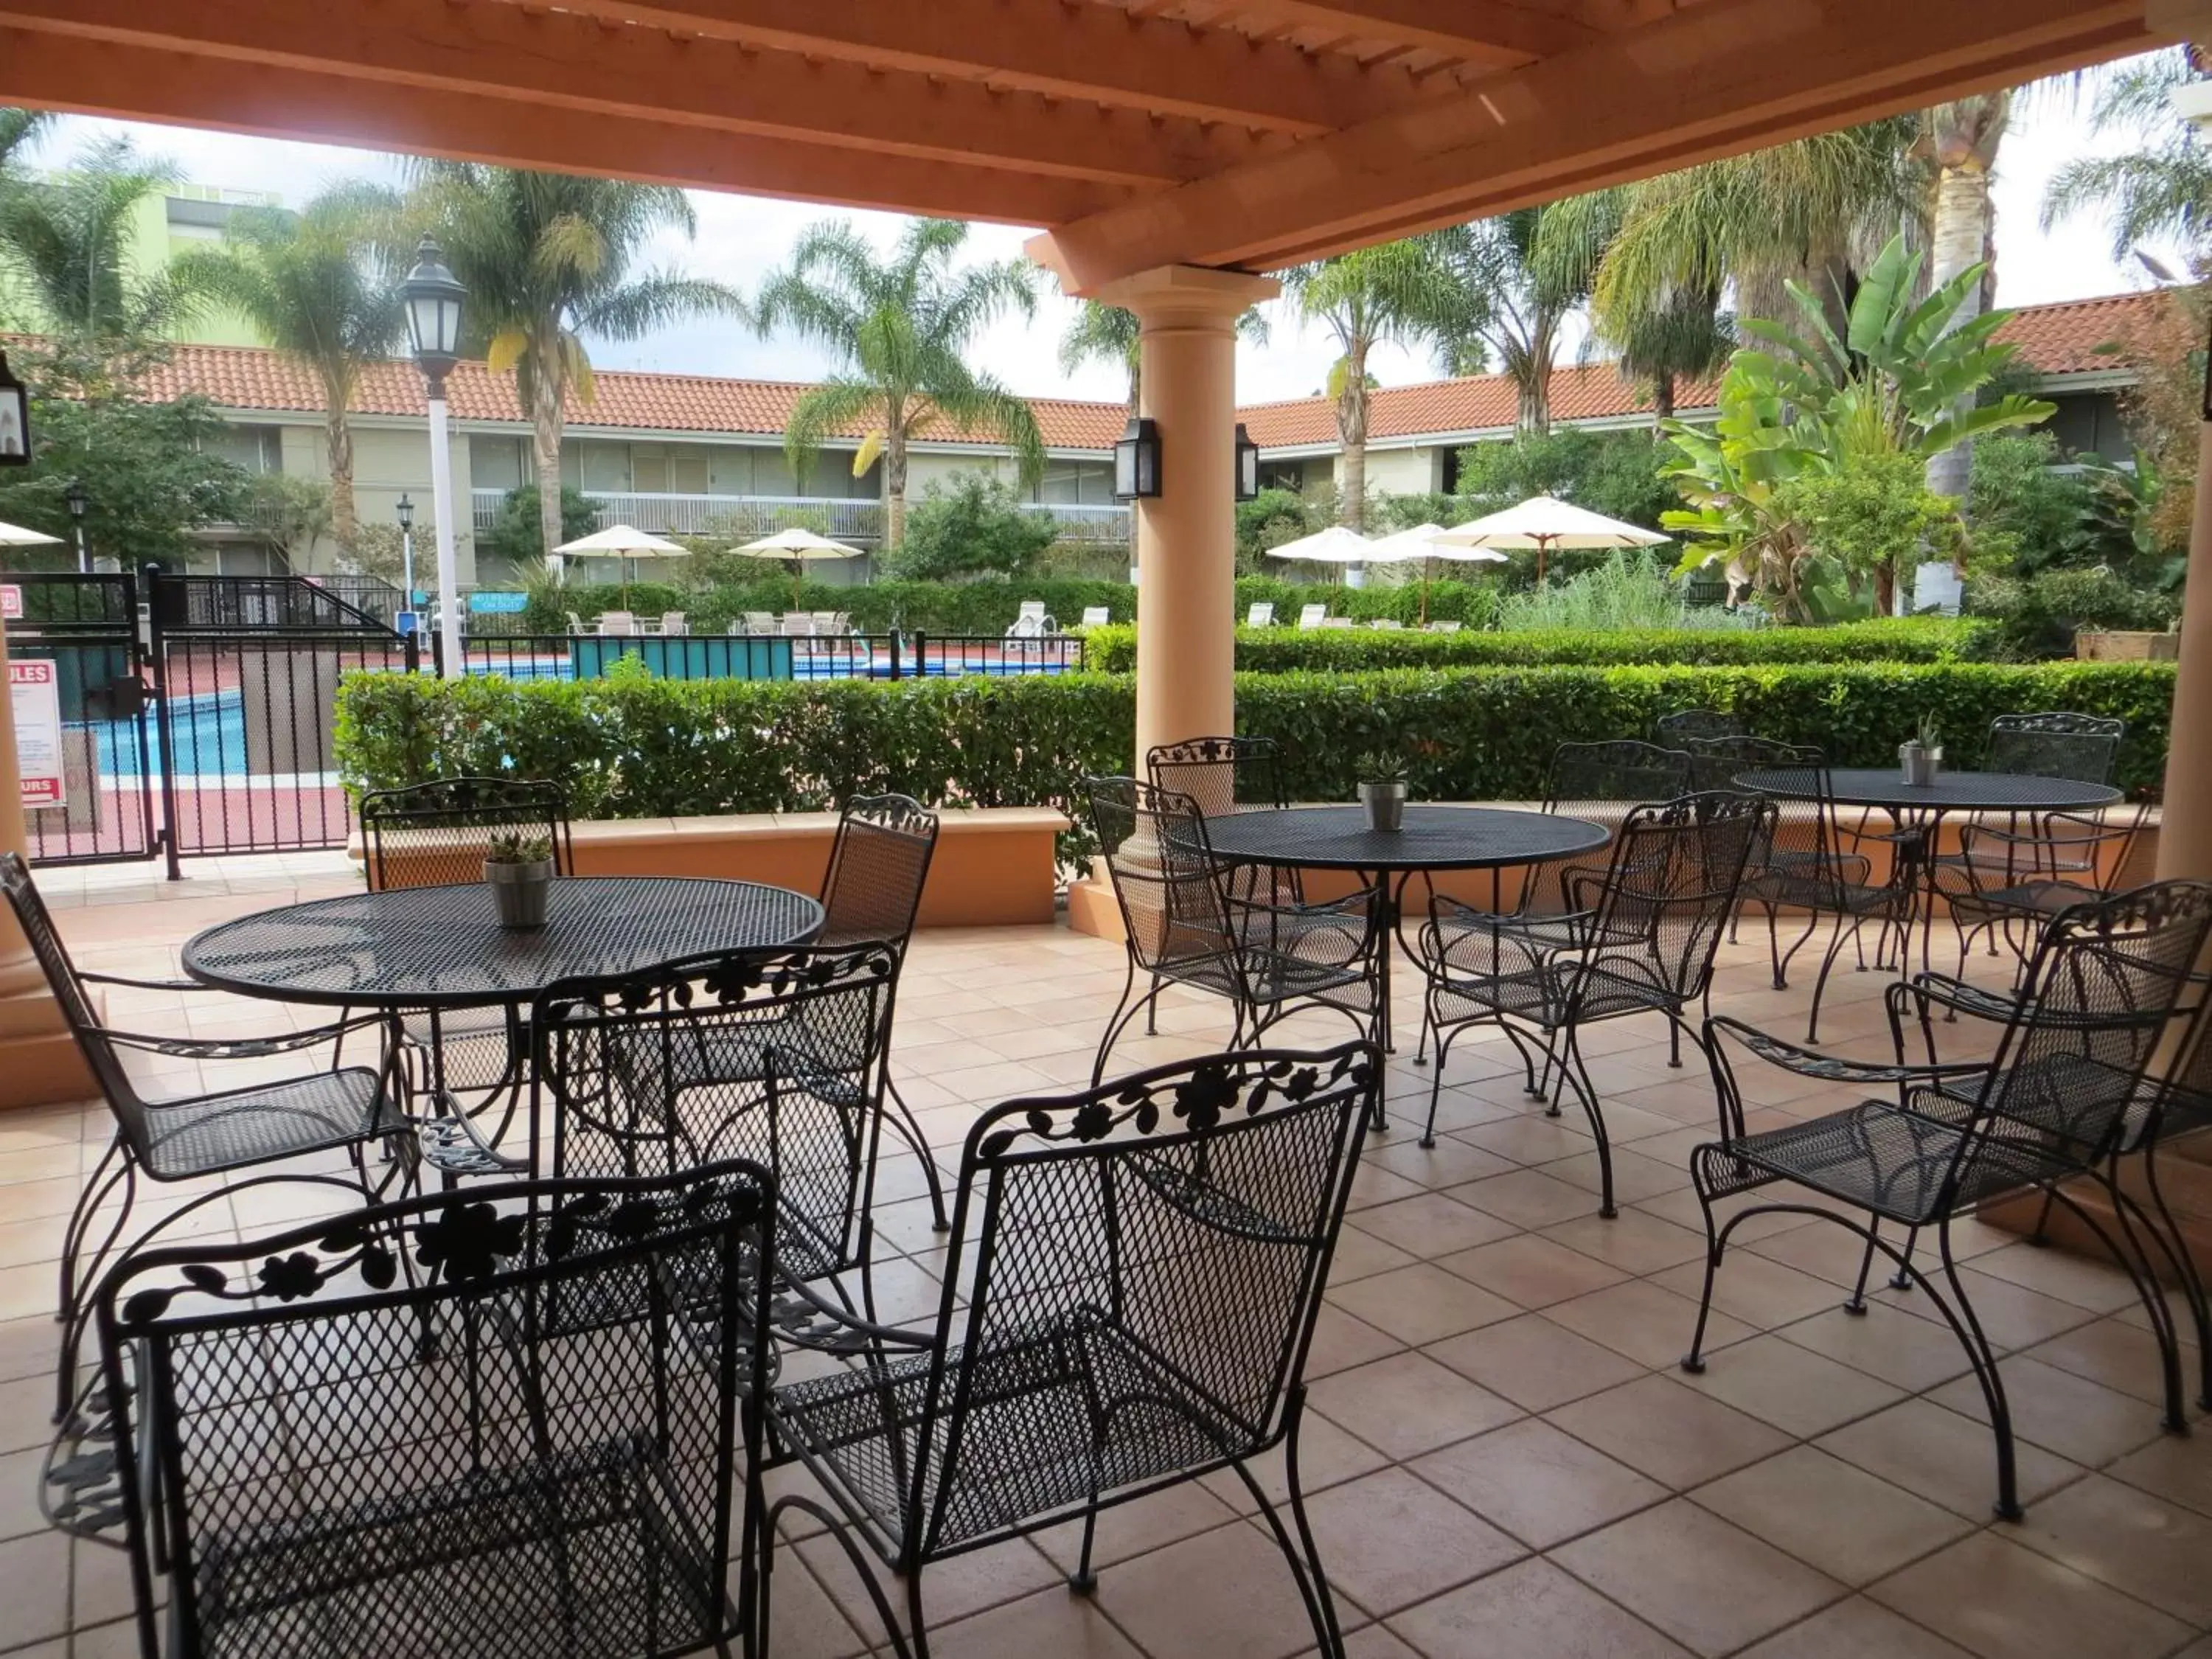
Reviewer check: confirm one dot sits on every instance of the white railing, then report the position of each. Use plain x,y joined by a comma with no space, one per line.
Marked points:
860,522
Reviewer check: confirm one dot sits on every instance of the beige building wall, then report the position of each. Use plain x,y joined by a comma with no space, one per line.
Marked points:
388,462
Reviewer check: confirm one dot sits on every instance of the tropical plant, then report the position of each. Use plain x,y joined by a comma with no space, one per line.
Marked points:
68,238
517,536
1395,292
1960,139
1516,280
970,525
900,329
287,513
1862,510
1270,518
321,287
546,258
2163,188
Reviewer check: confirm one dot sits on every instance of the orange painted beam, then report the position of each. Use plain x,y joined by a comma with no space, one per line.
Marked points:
1715,79
587,67
46,71
1481,31
1065,48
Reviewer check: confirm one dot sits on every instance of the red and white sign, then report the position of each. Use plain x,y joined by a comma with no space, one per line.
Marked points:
11,602
37,698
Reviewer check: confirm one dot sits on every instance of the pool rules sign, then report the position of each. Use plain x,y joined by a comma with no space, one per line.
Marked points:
38,703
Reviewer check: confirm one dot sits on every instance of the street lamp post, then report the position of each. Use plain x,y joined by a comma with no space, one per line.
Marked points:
433,299
78,501
406,511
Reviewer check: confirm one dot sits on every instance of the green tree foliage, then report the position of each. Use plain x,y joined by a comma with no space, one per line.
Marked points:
517,536
287,513
548,258
970,525
1270,518
149,482
1862,512
322,286
1615,473
66,239
2161,189
1514,280
901,329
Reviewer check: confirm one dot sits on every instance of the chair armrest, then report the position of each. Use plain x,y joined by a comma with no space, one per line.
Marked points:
804,1316
1833,1069
1947,992
91,978
1349,906
255,1048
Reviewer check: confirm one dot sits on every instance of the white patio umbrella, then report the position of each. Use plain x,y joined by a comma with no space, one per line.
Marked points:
627,543
798,543
14,535
1421,543
1545,522
1334,545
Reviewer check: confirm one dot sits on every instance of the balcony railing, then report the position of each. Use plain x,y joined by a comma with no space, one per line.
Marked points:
859,522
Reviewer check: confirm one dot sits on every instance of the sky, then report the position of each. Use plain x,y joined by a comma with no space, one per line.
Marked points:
741,238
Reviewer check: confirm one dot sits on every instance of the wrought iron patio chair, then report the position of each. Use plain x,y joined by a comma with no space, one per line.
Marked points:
2059,744
2009,884
518,1420
1641,942
871,892
192,1138
1683,726
772,1055
1602,782
2103,990
1184,926
436,834
1225,775
1147,1261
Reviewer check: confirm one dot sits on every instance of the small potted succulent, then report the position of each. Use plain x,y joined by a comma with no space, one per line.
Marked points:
1921,757
1382,789
518,867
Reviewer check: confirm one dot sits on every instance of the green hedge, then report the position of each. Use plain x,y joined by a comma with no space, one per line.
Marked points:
983,607
634,747
1293,650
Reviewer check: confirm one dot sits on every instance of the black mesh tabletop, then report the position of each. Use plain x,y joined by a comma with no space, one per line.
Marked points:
1432,838
423,947
1952,792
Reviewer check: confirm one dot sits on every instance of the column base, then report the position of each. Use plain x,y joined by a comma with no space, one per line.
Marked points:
40,1064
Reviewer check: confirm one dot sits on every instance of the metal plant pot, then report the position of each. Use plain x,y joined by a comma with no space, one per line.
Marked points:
1919,764
1385,804
520,891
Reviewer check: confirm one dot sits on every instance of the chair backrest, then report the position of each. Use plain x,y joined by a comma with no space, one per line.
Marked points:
1222,775
618,622
1717,762
1149,1261
1032,610
878,867
434,834
2078,747
1096,616
37,924
1599,782
576,623
760,622
1677,872
1803,834
1679,729
2107,982
672,622
1336,622
1312,616
1174,906
771,1056
796,624
498,1420
1445,627
1261,613
1386,624
829,622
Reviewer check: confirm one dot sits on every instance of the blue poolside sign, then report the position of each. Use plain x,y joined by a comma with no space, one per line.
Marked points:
497,605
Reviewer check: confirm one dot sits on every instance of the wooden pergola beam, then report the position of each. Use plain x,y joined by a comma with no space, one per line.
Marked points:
576,63
99,77
1482,31
1712,80
1075,49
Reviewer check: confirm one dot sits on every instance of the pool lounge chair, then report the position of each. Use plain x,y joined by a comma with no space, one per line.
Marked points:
1096,616
1313,616
1261,614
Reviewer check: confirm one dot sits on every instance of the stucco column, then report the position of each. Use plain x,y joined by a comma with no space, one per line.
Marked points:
1186,535
2185,839
38,1059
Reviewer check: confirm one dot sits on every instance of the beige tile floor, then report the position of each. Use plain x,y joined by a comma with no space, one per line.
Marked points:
1503,1457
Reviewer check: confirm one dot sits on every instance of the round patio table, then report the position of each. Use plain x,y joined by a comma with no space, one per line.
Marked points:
1431,838
1883,789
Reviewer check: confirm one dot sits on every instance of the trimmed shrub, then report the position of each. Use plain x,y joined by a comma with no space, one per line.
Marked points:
637,747
1292,650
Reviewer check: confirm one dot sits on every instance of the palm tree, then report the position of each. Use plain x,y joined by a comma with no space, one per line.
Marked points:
68,237
900,328
546,260
1519,278
19,130
322,286
2163,189
1961,138
1685,335
1398,291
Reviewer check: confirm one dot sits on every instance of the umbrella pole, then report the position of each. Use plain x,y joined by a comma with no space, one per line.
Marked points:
1428,570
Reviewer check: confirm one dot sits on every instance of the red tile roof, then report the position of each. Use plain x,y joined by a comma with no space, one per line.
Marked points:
2071,338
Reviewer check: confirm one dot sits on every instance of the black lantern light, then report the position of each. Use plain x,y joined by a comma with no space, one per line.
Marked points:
77,500
1247,465
1136,461
433,297
14,418
406,511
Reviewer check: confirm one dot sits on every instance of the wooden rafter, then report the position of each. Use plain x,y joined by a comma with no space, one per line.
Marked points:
1481,31
579,64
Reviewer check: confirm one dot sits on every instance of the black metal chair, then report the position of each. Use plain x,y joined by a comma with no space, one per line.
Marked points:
1184,925
1602,783
777,1056
516,1420
1641,942
1222,775
2061,745
188,1138
2103,992
872,891
1148,1259
1684,726
2007,884
435,835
